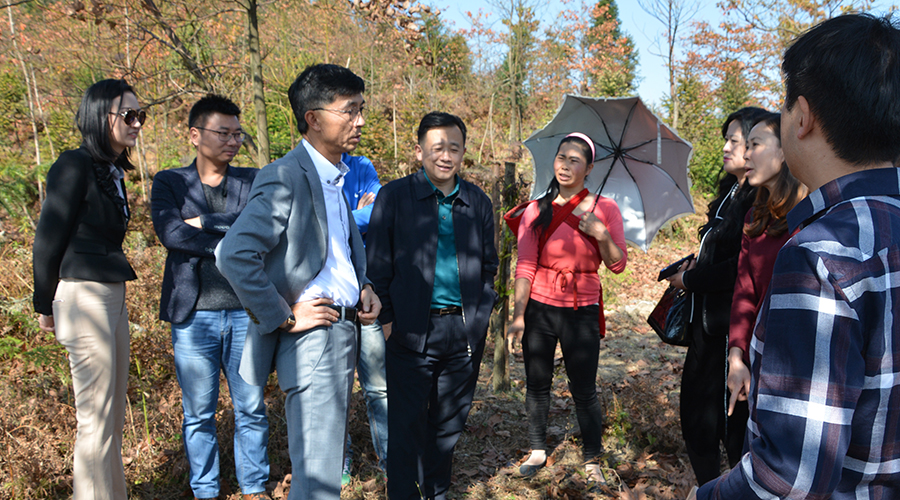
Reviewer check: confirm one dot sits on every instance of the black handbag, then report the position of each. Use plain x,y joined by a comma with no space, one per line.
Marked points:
669,318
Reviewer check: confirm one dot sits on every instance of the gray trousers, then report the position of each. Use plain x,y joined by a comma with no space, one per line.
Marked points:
321,361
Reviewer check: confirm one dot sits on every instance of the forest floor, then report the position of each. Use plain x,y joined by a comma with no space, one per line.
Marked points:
638,383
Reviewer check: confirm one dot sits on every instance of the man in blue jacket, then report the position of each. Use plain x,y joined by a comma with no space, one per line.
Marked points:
193,207
361,186
431,257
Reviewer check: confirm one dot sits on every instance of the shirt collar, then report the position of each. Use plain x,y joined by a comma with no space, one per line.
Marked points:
877,182
328,173
438,192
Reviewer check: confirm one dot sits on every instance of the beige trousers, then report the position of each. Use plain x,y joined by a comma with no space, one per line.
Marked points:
92,323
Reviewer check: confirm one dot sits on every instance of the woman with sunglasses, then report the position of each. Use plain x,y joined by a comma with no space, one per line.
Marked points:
80,272
563,239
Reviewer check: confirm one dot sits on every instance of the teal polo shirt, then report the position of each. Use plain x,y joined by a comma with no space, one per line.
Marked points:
446,269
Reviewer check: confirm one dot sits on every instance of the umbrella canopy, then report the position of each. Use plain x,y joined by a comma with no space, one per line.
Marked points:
641,163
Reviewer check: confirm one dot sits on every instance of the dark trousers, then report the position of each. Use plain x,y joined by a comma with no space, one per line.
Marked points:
704,403
429,397
578,333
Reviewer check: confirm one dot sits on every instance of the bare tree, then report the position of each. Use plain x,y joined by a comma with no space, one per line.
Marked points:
673,14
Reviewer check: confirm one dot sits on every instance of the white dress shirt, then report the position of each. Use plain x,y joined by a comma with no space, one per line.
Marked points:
337,279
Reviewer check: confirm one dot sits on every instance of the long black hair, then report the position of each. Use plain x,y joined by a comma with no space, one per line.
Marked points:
545,203
93,121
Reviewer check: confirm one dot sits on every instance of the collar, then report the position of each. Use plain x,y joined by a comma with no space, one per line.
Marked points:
865,183
424,188
328,173
117,172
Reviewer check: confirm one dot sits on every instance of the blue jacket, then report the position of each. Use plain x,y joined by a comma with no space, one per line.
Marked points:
402,250
178,195
361,179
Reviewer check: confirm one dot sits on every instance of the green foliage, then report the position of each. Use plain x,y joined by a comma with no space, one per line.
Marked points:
445,53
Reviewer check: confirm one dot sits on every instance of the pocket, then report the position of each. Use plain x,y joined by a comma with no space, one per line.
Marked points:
310,350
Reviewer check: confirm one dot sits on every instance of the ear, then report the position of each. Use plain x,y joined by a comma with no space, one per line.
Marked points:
807,120
418,152
312,120
587,170
194,137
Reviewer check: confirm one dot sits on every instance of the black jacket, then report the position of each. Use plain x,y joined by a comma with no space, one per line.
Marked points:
178,195
81,229
712,280
401,250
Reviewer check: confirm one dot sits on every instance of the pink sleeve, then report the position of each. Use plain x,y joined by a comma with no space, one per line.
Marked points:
608,212
526,263
744,302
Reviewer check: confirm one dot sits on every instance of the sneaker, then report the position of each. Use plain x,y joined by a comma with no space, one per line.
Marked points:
345,471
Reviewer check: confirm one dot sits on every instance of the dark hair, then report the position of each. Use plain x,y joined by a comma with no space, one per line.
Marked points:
746,116
545,203
208,105
771,207
437,119
318,86
92,119
732,222
848,69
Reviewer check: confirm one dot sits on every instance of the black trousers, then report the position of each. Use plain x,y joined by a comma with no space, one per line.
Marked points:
704,406
429,397
578,333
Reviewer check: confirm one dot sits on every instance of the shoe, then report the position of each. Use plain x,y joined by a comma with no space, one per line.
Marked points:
530,470
262,495
345,471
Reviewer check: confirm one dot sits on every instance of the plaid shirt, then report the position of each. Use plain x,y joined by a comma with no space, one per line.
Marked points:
825,354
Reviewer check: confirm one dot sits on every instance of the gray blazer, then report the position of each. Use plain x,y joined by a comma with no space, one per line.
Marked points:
273,250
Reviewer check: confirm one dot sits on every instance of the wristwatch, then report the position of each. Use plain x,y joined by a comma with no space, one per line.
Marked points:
291,321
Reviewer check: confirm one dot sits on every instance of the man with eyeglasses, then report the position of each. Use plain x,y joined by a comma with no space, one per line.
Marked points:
296,260
193,208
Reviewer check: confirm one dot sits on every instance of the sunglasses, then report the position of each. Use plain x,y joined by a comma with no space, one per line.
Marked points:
131,115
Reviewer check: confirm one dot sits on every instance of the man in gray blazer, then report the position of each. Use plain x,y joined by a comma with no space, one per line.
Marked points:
296,260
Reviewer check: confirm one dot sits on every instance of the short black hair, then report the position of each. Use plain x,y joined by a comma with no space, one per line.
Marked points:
438,119
748,116
208,105
92,119
848,69
318,86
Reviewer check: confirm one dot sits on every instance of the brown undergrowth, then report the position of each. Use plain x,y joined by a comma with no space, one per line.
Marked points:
638,384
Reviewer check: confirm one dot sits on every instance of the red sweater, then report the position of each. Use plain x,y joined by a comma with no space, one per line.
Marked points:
569,261
755,265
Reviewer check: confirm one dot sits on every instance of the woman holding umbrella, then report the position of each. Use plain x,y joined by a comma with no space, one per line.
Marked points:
765,232
564,237
711,279
80,272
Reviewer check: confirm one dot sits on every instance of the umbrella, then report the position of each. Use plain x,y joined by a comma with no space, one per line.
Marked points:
641,163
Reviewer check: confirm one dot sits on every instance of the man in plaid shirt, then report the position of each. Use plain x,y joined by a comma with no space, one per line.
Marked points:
825,355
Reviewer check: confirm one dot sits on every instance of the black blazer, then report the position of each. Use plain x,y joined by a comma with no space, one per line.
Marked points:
81,229
401,247
178,195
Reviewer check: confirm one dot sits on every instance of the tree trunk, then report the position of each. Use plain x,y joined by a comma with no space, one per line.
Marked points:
259,92
501,354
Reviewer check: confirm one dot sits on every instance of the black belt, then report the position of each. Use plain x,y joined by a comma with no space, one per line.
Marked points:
346,313
446,310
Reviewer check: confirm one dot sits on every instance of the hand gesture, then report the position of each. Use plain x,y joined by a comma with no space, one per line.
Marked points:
370,306
592,226
514,333
676,279
46,323
738,380
365,200
313,313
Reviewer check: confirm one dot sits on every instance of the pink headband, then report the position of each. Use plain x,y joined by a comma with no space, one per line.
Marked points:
588,141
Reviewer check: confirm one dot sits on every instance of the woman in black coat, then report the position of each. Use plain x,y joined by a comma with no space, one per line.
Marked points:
711,278
80,272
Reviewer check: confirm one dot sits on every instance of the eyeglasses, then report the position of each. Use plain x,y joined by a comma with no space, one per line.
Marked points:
224,136
130,115
352,113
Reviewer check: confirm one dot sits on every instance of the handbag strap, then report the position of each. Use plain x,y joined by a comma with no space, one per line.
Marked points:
559,216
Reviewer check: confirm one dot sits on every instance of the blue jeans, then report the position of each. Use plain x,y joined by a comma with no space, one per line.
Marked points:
374,383
207,342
